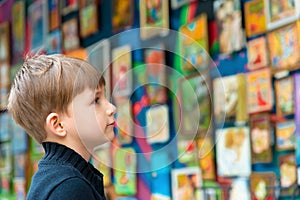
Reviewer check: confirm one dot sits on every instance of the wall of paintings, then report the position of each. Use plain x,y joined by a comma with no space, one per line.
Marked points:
207,93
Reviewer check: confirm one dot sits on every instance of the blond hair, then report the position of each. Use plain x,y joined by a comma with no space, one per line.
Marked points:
45,84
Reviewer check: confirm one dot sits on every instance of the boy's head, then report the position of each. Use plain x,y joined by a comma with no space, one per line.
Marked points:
46,84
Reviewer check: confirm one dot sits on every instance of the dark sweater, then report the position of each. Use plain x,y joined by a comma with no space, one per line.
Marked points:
64,174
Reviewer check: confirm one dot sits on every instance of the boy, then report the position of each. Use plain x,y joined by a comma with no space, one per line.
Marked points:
60,102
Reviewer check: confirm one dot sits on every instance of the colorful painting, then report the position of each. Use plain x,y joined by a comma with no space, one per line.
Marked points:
99,57
70,35
262,185
233,151
281,12
284,47
187,152
54,42
286,135
259,90
54,14
284,90
288,173
121,71
260,134
229,98
39,24
122,14
206,155
154,18
157,122
186,183
255,18
4,42
88,17
156,74
124,120
194,104
18,31
125,171
228,17
257,53
193,44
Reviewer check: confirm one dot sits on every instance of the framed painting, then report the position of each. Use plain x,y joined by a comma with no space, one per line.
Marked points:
124,120
38,20
193,44
99,56
125,166
279,13
88,17
284,91
186,183
259,91
70,35
156,74
54,42
233,152
18,31
157,124
206,155
257,53
228,17
288,174
54,15
68,6
194,104
122,14
262,185
284,46
175,4
255,19
121,71
4,41
260,135
154,18
286,135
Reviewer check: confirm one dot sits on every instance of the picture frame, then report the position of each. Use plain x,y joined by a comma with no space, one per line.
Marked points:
122,15
288,173
284,47
228,17
186,183
38,20
175,4
54,42
206,156
54,15
18,31
157,122
193,44
259,91
260,135
125,165
257,53
284,91
68,6
262,185
4,41
233,151
156,74
229,93
255,19
70,35
154,18
99,56
121,71
285,135
88,17
280,13
124,120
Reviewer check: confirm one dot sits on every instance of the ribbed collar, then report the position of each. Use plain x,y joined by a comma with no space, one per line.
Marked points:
61,154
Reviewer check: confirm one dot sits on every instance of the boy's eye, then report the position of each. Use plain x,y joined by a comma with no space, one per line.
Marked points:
96,100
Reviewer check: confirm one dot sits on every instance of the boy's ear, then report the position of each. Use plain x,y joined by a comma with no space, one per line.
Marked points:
54,125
